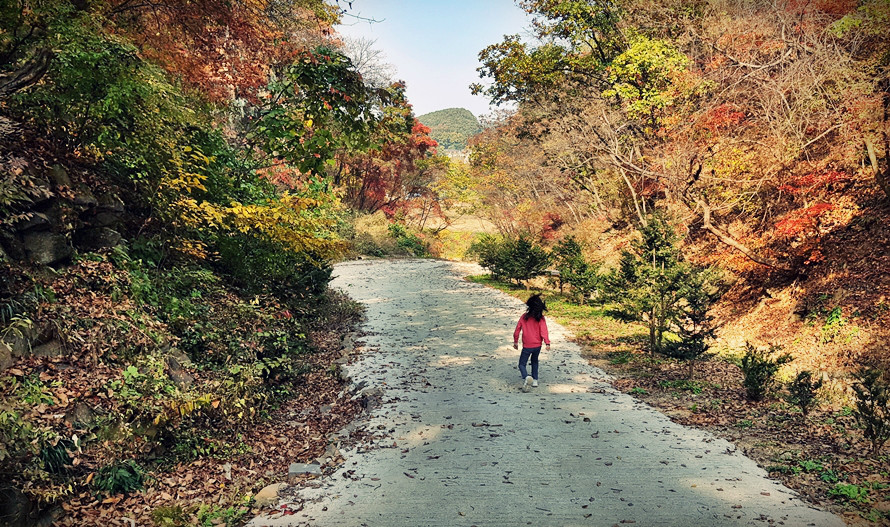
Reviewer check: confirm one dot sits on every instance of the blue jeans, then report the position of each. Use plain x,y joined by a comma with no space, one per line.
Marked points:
523,358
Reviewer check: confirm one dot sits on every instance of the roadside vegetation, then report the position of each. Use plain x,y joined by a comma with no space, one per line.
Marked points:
802,426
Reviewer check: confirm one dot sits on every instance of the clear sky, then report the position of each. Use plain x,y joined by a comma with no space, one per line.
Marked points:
434,44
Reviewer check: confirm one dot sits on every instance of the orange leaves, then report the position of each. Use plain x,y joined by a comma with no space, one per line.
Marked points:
812,181
798,221
722,118
225,49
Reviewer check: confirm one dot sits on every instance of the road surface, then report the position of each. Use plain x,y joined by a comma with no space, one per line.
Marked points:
457,443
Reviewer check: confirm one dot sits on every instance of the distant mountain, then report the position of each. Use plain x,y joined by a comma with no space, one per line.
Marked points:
452,127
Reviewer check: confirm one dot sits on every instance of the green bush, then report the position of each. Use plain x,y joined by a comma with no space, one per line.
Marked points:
55,457
694,325
574,270
653,284
407,240
759,368
804,391
121,477
490,251
873,406
514,259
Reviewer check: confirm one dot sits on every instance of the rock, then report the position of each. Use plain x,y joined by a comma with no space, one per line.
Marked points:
46,248
12,246
6,359
81,414
15,508
34,221
331,453
98,239
180,377
227,471
84,197
105,219
23,338
53,348
299,470
59,176
371,398
372,392
268,497
358,387
111,202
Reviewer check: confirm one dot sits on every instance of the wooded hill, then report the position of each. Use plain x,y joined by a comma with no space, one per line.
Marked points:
175,178
451,128
759,129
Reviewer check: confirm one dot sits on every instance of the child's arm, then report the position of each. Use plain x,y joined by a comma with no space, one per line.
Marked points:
516,334
544,334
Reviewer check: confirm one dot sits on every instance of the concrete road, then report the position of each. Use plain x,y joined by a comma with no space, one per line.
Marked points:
459,444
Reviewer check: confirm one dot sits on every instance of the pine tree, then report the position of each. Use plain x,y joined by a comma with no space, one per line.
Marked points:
654,285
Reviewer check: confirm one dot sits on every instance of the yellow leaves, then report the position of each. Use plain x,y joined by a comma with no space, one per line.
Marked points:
186,182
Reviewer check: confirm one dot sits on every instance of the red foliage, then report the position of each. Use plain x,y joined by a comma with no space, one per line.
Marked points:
224,49
812,181
799,220
721,118
283,176
375,179
552,222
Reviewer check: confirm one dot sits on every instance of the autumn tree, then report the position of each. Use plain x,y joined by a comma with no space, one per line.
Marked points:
727,111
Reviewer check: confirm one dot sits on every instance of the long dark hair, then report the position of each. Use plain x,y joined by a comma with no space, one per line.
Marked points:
536,308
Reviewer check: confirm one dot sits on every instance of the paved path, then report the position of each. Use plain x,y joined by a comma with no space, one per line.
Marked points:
461,445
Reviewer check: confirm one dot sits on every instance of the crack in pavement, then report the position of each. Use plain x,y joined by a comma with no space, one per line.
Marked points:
457,442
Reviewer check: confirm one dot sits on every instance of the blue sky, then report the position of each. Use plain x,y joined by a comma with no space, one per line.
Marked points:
434,45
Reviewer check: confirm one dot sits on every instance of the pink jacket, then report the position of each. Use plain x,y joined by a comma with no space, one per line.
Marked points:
533,332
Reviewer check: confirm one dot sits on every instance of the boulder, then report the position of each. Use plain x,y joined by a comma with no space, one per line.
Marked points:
12,246
111,202
180,377
59,176
268,497
105,219
84,197
33,221
98,239
300,470
15,508
46,248
6,359
81,414
51,349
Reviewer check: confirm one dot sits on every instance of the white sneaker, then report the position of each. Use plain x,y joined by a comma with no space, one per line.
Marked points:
535,383
528,382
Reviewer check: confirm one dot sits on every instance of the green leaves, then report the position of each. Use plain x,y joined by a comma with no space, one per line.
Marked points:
653,284
515,259
318,106
641,76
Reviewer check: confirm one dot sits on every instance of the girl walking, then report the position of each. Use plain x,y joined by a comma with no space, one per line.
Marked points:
533,327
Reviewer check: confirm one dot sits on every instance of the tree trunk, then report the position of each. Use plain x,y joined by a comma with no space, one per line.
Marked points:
30,73
729,240
652,336
882,177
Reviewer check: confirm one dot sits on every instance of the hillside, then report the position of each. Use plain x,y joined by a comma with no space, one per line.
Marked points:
452,127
